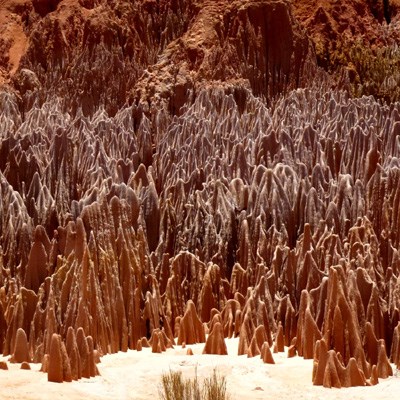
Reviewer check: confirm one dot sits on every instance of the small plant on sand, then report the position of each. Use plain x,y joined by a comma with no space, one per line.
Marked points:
214,387
175,387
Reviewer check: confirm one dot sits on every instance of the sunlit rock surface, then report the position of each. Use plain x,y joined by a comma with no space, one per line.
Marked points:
185,170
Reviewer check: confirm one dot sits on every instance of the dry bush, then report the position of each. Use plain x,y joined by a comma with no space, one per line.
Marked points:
175,387
214,387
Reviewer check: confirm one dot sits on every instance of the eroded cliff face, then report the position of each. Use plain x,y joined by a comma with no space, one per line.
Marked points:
101,53
175,169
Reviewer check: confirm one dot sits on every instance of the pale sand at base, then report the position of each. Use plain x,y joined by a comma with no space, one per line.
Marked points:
136,375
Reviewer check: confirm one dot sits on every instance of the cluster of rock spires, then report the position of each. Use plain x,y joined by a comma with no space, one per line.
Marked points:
178,206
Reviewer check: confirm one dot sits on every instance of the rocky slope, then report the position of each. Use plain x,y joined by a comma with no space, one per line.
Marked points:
178,168
358,37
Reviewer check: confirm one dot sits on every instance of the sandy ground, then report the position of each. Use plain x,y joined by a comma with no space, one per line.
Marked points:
136,375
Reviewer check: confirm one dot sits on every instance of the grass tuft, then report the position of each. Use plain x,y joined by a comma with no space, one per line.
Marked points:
214,387
175,387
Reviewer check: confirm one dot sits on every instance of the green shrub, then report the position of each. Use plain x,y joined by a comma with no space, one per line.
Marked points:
373,70
378,70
